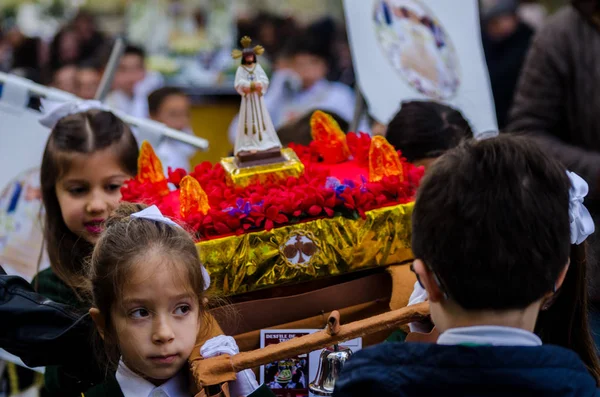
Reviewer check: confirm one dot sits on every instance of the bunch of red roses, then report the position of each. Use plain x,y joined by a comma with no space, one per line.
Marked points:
315,194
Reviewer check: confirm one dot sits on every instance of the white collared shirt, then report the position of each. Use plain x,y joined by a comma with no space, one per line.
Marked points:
489,335
133,385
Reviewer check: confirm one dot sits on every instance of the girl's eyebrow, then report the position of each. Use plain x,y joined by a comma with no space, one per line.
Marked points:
122,175
134,302
84,181
73,181
182,296
141,302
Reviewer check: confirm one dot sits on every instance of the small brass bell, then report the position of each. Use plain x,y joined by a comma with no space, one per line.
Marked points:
331,362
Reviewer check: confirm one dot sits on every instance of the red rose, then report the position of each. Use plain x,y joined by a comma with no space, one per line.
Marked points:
175,176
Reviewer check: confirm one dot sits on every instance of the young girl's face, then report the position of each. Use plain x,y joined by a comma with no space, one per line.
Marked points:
89,191
157,318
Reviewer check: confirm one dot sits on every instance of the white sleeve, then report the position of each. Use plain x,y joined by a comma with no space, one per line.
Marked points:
262,78
241,80
418,295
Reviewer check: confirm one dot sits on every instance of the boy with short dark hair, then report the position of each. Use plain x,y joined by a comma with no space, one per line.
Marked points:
131,70
133,83
491,237
172,107
87,79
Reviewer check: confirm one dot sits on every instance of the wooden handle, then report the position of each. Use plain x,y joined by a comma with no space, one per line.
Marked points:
223,368
333,324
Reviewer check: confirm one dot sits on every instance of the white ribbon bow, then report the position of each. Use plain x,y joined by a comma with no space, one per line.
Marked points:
582,224
54,111
153,213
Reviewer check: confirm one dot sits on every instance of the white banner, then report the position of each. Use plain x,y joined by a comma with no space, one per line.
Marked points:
22,143
419,50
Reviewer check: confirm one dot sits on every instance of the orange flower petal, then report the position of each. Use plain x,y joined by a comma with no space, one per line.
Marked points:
192,198
383,160
150,168
329,137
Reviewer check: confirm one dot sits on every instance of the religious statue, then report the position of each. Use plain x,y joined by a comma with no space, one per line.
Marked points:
256,140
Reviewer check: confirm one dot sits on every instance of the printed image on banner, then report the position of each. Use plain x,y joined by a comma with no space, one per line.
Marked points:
418,47
20,225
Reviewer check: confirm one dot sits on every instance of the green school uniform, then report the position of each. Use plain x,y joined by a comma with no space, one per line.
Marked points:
108,388
60,380
397,336
111,388
49,285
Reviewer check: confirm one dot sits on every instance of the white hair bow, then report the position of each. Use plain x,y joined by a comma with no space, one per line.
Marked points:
582,224
54,111
153,213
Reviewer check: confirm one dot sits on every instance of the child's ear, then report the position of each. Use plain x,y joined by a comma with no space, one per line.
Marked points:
99,320
428,280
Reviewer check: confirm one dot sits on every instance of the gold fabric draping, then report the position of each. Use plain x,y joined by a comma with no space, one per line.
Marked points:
308,251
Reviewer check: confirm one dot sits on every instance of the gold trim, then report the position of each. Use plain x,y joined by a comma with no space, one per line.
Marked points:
292,166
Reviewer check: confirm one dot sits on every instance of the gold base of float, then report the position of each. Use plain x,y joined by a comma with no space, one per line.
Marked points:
292,166
308,251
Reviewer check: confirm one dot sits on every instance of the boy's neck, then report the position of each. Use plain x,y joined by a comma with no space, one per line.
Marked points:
453,316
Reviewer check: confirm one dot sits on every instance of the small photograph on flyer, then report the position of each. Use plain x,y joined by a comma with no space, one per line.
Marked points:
289,377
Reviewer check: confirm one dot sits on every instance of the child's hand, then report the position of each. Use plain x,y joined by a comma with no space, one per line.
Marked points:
246,381
219,345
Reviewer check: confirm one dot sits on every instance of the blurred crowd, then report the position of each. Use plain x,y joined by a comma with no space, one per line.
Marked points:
311,65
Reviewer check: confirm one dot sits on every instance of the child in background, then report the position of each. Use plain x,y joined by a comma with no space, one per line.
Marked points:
171,106
133,83
64,78
424,130
518,212
88,157
87,80
149,305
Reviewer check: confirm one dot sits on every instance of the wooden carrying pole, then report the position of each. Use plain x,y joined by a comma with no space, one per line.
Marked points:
220,369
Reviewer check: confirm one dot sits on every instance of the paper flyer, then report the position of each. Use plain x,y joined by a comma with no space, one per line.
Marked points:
291,377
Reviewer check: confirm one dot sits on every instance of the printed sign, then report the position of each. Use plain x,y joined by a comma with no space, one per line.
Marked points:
291,377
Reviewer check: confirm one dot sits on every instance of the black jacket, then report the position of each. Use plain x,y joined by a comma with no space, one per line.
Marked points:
39,331
505,60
